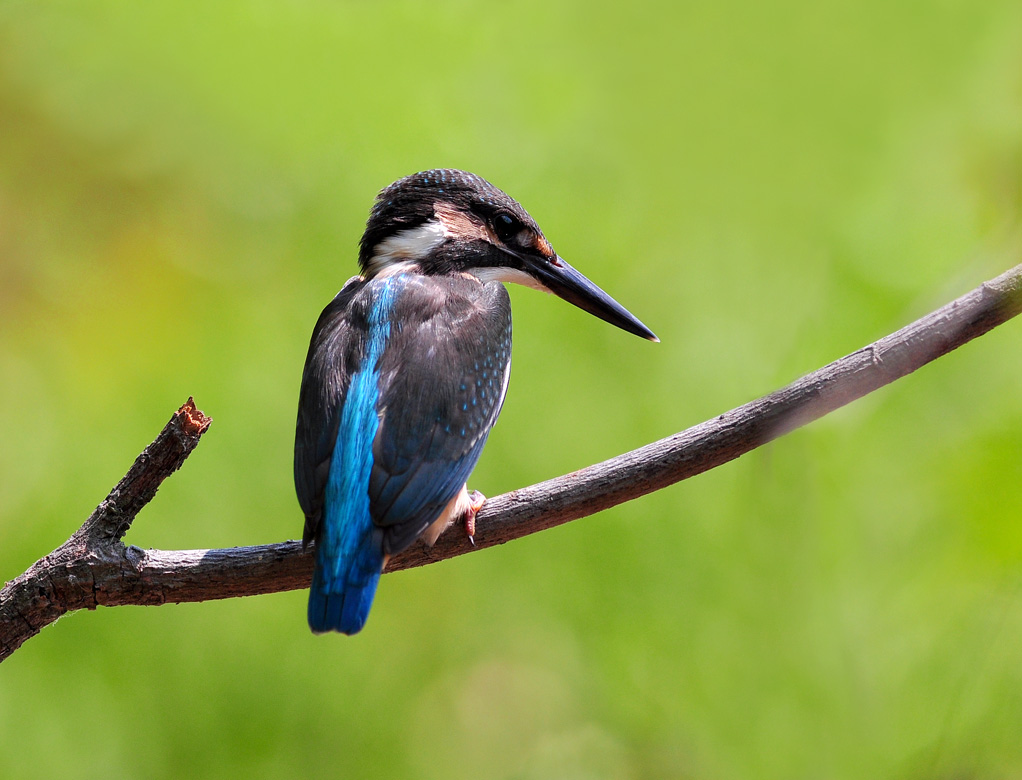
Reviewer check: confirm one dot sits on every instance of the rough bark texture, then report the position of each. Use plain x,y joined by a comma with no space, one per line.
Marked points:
94,568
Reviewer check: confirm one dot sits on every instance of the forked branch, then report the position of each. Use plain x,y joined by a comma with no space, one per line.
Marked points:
94,568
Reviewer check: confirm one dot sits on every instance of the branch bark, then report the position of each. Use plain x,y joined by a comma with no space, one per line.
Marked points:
95,568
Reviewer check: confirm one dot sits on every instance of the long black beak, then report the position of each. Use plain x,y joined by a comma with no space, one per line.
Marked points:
567,283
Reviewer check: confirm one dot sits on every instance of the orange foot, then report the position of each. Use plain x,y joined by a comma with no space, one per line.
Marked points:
476,501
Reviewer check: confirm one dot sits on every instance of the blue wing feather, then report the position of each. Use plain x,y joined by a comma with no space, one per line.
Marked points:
438,405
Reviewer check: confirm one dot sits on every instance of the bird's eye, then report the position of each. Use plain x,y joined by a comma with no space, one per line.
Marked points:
506,227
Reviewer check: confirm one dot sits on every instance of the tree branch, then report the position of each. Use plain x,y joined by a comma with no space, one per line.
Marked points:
95,568
76,574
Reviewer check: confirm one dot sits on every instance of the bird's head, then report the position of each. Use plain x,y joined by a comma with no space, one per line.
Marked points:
448,222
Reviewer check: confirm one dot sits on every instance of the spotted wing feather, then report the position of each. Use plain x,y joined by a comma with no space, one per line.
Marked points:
442,383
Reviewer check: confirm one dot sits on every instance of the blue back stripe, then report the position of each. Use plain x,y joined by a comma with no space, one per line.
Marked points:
348,559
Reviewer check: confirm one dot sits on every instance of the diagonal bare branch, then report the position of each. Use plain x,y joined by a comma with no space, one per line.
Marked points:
95,568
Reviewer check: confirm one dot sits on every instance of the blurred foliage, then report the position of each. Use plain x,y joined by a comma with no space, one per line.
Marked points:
767,185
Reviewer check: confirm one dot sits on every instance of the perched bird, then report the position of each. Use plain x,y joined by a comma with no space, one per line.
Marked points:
407,372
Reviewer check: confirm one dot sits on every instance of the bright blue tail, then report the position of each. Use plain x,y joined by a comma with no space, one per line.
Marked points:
344,605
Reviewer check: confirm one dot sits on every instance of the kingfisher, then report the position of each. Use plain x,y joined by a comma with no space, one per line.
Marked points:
406,373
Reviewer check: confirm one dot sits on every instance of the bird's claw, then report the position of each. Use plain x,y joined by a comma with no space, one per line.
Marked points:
476,501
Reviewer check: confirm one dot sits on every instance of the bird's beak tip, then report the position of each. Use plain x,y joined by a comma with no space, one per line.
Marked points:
645,333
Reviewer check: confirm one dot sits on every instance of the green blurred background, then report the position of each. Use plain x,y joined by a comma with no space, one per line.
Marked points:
767,185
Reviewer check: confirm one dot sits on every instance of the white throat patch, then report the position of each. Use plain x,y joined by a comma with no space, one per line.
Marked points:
404,249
